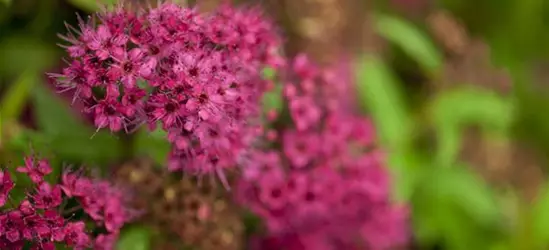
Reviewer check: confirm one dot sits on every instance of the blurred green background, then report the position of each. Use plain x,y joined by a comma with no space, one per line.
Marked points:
469,158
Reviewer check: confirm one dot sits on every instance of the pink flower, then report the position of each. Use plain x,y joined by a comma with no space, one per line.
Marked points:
43,246
273,192
300,148
115,215
207,102
11,225
133,101
41,222
36,170
52,226
75,235
128,66
73,184
328,188
26,208
305,112
47,197
261,162
109,113
105,241
6,185
200,71
166,110
106,44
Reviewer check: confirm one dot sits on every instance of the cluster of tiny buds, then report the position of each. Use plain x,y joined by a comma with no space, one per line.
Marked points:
198,75
78,212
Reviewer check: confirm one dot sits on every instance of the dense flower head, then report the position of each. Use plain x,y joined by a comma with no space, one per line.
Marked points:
197,75
327,186
46,215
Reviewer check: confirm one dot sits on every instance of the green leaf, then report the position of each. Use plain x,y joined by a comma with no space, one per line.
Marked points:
268,73
540,214
135,238
153,144
14,100
408,169
380,92
7,2
452,110
411,40
25,54
91,5
454,206
69,136
468,191
272,100
469,105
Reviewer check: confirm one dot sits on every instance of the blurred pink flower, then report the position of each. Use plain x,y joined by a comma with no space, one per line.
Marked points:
327,187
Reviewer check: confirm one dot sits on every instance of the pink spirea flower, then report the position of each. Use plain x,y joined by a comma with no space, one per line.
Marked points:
41,221
6,185
327,187
35,169
201,75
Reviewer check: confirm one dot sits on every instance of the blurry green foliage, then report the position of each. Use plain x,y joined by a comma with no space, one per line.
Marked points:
22,53
135,237
272,100
453,205
153,144
380,93
16,97
67,136
540,219
91,5
453,110
269,73
450,204
411,40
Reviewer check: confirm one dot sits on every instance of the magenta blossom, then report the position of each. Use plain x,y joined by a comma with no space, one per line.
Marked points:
41,221
327,187
199,75
36,170
6,185
47,196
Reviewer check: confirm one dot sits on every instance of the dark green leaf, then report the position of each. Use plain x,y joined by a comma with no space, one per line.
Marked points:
15,98
69,136
25,54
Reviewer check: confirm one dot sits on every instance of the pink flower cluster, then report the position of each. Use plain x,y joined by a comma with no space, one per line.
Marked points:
327,187
196,74
46,215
